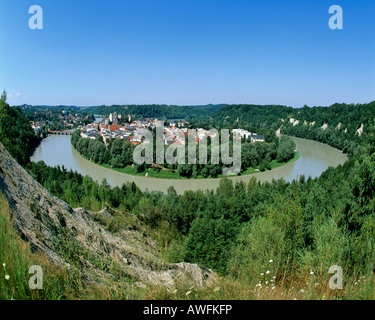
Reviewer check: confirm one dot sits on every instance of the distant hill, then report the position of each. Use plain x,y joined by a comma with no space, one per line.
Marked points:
250,115
339,125
351,116
157,111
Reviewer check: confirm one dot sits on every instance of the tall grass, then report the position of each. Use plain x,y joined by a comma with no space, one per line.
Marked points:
16,257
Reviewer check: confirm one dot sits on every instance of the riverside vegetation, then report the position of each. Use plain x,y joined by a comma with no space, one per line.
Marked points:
118,154
274,240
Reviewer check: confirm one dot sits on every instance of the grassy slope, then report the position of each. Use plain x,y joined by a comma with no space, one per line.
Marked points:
17,257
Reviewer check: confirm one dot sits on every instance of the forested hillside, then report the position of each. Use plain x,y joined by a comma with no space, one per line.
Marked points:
341,125
336,125
250,116
156,111
16,134
276,235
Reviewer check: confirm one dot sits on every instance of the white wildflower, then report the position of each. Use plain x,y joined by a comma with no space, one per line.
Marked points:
268,272
7,277
270,261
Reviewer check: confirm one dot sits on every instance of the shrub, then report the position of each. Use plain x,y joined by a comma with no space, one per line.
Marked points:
259,241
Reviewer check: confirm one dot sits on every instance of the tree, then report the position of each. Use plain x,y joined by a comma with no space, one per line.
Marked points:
285,150
16,134
209,241
127,153
215,170
116,148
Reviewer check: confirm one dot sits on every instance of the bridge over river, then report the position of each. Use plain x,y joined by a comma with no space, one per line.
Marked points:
60,132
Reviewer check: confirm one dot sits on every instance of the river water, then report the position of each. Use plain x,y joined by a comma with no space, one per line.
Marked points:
314,158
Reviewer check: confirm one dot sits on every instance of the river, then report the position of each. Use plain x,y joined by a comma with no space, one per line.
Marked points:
315,157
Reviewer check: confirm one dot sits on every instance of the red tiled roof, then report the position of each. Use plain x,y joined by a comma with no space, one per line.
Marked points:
114,127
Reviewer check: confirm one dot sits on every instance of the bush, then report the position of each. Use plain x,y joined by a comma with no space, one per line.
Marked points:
259,241
209,241
331,247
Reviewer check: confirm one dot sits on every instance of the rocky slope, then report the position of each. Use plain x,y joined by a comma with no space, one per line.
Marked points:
73,238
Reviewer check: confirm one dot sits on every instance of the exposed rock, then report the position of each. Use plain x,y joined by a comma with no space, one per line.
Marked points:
360,130
278,132
51,226
294,121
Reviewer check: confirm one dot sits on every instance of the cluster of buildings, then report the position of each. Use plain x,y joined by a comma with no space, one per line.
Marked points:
134,131
54,119
109,128
38,126
252,137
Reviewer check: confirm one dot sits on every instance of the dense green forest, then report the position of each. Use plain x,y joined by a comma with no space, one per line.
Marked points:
342,121
157,111
50,113
16,134
251,117
119,154
272,116
238,230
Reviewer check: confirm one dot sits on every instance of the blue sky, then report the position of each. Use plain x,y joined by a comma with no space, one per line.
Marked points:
187,52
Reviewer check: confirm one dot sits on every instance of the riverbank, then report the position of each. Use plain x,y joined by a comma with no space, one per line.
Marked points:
314,158
168,174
